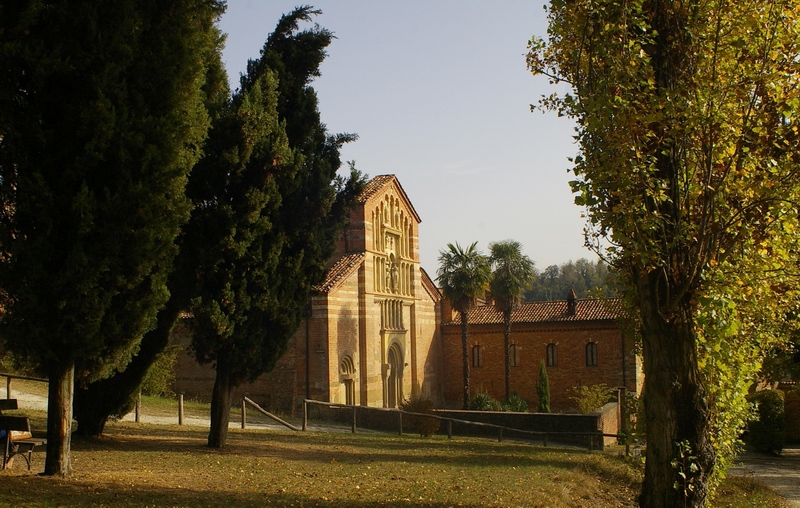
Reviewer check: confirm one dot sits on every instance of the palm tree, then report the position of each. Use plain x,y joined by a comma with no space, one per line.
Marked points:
511,276
463,275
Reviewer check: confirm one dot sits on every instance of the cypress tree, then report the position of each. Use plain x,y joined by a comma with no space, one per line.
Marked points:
543,390
101,119
269,207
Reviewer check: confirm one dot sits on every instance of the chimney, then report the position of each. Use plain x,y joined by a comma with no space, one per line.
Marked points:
571,303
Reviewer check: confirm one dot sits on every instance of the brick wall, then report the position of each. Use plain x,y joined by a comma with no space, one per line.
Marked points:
559,426
532,339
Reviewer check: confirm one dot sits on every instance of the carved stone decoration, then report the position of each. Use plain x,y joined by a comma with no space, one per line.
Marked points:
394,275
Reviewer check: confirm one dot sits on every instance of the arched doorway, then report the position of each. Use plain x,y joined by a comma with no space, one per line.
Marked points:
395,378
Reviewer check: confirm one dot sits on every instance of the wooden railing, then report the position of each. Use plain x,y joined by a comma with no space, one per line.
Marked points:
9,377
246,401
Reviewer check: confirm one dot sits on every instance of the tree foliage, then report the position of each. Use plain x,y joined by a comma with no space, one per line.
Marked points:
268,208
101,119
98,400
687,122
463,276
512,272
589,280
543,389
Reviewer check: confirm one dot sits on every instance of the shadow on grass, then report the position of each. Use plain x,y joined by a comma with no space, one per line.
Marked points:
347,449
36,491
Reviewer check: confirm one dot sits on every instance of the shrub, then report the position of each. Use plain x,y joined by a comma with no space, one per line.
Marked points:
591,397
160,377
419,404
482,401
543,390
515,404
766,434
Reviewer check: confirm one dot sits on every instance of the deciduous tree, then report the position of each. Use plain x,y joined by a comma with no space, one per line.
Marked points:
101,119
687,121
463,276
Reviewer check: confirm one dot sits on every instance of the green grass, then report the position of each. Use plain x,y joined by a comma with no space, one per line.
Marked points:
136,465
167,465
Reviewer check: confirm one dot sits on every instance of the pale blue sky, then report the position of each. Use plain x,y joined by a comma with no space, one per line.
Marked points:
439,95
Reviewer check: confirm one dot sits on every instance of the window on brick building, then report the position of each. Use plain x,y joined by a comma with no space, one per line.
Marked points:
591,354
348,371
513,355
552,355
477,356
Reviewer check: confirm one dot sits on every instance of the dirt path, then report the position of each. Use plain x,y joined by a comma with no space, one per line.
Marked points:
31,401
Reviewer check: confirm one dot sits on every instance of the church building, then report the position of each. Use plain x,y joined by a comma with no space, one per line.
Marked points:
377,331
371,335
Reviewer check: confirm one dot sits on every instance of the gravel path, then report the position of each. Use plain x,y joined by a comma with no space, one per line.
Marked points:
31,401
781,473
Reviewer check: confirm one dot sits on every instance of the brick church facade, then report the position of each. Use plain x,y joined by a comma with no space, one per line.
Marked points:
372,334
377,330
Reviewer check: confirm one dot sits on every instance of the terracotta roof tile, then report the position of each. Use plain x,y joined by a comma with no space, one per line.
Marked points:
379,182
340,270
546,312
373,186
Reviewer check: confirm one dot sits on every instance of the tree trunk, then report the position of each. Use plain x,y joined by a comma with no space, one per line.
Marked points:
675,406
99,400
59,420
465,356
220,406
507,346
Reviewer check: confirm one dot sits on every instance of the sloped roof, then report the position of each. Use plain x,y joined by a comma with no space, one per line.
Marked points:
590,309
378,183
429,286
340,270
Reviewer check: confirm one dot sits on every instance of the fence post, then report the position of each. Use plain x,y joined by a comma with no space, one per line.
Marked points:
244,414
138,411
8,387
500,437
449,428
180,409
354,420
305,414
400,419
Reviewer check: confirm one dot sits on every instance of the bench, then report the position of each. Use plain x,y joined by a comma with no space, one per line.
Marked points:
17,439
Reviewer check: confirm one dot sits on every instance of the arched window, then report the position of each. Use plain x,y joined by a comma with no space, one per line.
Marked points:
477,356
591,354
552,355
513,355
348,371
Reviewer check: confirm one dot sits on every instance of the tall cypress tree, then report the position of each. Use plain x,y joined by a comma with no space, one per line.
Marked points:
101,119
268,221
96,401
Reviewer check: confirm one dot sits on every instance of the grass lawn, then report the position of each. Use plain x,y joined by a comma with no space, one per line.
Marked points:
166,465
